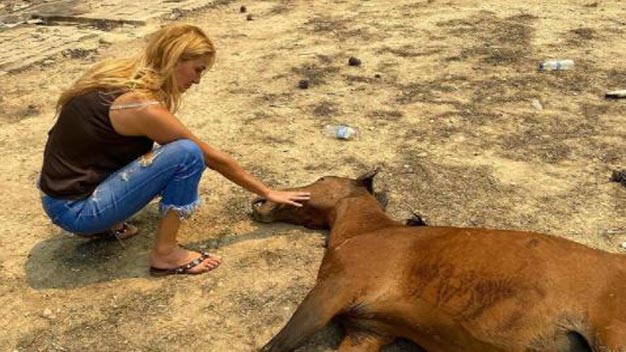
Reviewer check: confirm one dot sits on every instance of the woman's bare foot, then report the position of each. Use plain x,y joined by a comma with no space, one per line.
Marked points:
178,260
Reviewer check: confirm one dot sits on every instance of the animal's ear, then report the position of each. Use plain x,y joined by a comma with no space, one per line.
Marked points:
415,220
367,179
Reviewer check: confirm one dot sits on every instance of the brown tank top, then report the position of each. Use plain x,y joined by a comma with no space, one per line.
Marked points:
83,148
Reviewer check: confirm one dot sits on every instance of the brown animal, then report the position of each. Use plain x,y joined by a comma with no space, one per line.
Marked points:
447,288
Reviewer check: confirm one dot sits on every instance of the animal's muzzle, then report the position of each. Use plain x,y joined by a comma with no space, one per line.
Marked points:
262,210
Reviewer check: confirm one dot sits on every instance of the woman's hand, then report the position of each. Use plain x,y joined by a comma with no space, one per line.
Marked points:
287,197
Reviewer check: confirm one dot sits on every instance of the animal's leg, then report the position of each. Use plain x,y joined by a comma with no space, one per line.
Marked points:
356,341
317,309
612,337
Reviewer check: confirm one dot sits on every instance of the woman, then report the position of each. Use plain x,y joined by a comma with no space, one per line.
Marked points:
99,164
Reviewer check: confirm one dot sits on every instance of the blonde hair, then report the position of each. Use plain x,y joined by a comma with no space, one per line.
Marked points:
150,74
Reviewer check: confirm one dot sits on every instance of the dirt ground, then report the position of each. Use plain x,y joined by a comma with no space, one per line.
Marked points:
442,100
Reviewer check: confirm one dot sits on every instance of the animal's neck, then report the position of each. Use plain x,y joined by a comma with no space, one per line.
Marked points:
354,216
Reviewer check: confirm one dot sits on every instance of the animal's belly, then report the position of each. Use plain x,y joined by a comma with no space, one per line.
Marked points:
440,329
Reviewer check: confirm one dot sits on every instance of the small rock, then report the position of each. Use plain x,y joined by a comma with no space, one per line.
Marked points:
619,176
377,75
536,104
623,245
249,17
243,9
422,155
31,110
354,61
48,62
105,40
175,14
303,84
47,313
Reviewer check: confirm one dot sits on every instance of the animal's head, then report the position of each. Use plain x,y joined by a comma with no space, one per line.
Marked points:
326,193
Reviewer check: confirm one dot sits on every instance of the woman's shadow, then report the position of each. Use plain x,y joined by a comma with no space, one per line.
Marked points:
65,261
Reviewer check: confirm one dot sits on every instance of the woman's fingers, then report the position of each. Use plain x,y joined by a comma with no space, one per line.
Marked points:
294,203
288,197
294,197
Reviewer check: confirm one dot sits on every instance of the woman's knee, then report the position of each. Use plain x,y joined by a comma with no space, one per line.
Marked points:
188,150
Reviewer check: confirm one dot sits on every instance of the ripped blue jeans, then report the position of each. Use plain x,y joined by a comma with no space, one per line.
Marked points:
172,171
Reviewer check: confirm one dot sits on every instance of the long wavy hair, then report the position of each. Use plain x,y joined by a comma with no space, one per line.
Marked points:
150,74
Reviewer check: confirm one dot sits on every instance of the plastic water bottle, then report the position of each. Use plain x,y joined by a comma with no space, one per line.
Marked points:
341,131
616,94
556,65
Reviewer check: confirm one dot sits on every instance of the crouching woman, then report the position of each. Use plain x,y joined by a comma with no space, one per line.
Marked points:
100,165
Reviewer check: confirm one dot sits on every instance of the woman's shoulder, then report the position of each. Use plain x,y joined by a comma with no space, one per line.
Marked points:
132,100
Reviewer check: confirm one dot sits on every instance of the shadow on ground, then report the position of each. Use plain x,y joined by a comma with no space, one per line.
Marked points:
65,261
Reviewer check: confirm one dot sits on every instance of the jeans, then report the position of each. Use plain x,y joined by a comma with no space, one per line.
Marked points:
172,171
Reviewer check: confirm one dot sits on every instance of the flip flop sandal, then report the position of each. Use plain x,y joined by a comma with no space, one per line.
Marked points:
183,269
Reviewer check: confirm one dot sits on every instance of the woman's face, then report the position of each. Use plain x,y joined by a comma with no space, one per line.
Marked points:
189,72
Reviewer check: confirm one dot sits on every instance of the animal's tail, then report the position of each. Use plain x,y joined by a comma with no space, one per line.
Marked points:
318,308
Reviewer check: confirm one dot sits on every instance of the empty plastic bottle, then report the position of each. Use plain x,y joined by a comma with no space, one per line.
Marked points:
616,94
556,65
341,131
